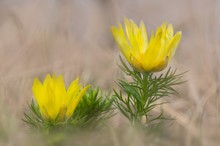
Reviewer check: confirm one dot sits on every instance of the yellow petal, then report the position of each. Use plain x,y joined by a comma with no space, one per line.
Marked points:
52,99
72,91
60,91
143,37
161,53
169,32
73,104
174,44
161,65
163,26
120,38
37,89
153,51
131,29
136,63
47,80
41,95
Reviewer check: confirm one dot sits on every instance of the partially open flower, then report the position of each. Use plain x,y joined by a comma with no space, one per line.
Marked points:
55,101
143,54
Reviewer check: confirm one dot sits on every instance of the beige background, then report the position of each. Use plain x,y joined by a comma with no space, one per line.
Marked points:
72,37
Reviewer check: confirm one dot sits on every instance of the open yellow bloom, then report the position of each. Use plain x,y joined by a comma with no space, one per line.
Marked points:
54,100
144,54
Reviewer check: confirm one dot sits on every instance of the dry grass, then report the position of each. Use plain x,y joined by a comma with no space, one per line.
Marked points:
73,38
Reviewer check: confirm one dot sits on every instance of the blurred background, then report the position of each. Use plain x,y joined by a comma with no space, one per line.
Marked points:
73,38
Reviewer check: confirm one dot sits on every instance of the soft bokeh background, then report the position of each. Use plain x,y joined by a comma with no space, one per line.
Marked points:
73,37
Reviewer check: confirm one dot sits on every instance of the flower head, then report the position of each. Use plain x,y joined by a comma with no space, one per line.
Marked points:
54,100
141,53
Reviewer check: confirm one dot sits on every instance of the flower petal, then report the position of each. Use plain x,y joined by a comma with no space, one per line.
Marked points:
144,37
73,104
37,89
174,44
121,40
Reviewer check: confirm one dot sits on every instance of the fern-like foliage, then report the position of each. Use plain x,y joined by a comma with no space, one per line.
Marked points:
143,92
93,109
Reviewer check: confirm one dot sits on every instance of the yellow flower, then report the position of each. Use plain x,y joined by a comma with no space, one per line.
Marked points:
54,100
144,54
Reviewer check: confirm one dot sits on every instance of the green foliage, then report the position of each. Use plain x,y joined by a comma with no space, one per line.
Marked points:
143,93
91,111
34,118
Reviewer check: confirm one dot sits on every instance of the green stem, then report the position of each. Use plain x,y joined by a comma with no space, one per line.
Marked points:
144,85
145,93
